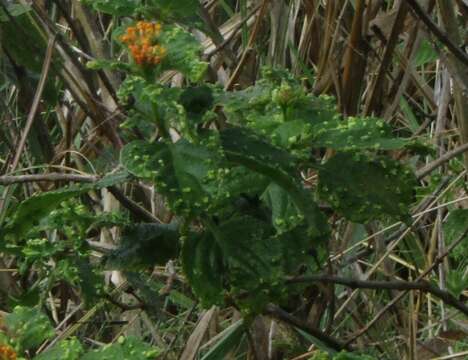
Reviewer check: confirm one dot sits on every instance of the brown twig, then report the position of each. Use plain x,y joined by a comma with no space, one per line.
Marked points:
51,177
35,104
253,35
123,306
443,38
136,209
381,285
440,161
282,315
228,39
436,262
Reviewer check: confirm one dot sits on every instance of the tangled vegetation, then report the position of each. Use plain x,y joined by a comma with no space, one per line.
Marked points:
233,180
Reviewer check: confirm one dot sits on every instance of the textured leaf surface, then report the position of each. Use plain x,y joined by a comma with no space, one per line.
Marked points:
242,258
229,340
284,212
124,349
145,245
185,173
114,7
196,100
29,327
183,53
355,134
13,10
33,209
170,11
202,262
364,188
454,227
243,147
64,350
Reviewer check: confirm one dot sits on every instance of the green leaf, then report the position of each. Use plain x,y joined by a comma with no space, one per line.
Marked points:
257,261
284,212
229,339
245,182
457,281
298,249
32,210
100,64
65,350
364,188
124,349
147,288
111,179
242,259
183,53
14,10
239,103
26,49
345,355
252,259
202,263
170,11
114,7
291,133
140,158
320,355
28,327
425,54
196,100
454,227
409,115
187,174
152,104
244,147
19,38
145,245
356,134
89,280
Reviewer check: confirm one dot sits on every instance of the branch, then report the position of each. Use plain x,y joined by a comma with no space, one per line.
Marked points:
123,306
51,177
35,104
443,38
131,205
135,208
435,263
282,315
440,161
421,285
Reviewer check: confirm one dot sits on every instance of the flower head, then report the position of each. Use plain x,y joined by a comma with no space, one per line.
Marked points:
142,41
7,353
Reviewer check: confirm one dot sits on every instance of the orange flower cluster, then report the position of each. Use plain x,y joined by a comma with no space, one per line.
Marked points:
7,353
141,39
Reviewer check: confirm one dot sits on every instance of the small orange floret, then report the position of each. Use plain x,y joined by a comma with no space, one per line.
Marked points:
125,38
7,353
142,41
